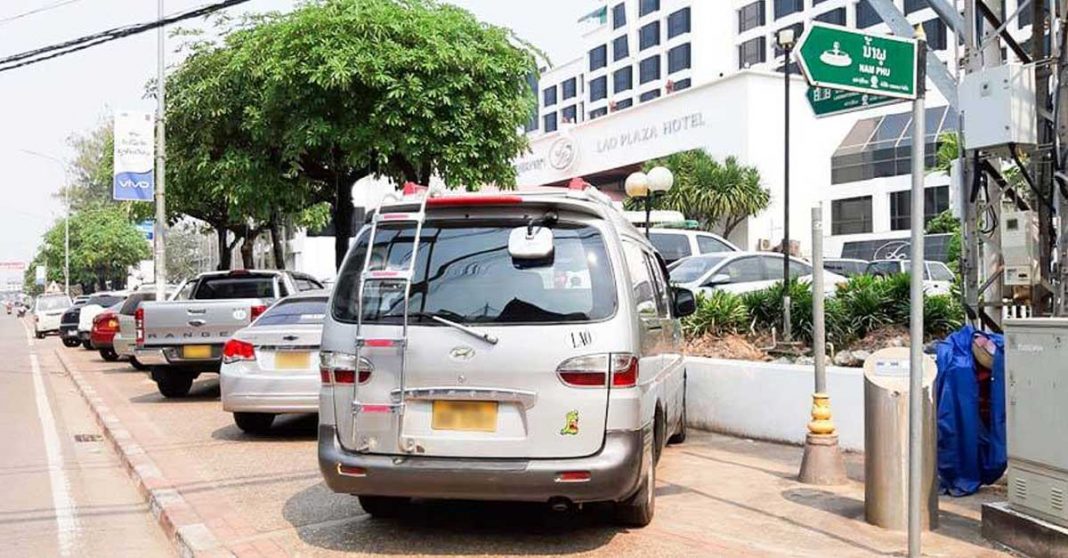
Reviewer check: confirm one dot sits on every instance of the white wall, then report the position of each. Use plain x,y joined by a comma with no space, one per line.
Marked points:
771,401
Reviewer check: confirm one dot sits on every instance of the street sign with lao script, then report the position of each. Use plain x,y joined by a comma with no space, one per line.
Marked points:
843,58
830,102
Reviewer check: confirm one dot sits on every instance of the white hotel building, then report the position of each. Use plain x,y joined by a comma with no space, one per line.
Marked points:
661,76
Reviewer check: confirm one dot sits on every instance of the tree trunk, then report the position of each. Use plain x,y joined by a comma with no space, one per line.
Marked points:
246,251
342,218
276,245
224,250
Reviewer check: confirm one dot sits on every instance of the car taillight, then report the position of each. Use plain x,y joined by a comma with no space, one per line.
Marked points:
236,350
139,324
256,311
339,368
594,370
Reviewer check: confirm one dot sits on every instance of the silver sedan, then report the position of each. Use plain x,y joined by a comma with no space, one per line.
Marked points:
272,366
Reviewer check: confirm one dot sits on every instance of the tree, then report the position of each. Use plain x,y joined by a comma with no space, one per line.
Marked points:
309,102
712,193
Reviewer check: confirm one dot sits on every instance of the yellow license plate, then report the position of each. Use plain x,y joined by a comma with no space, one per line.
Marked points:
477,416
292,360
202,352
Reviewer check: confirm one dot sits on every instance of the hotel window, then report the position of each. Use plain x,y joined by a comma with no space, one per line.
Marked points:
619,15
649,69
751,16
569,114
649,95
622,79
647,7
751,52
935,201
866,15
550,122
679,58
851,216
649,35
786,7
834,17
624,103
597,113
569,88
936,34
598,88
549,96
598,57
681,84
620,48
678,23
914,6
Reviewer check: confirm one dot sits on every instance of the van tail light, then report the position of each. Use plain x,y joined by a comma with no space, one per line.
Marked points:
594,370
236,350
255,312
139,324
340,369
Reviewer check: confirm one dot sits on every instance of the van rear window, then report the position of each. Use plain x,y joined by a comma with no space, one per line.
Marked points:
464,273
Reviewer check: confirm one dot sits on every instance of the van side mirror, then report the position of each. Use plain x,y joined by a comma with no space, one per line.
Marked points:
717,279
685,302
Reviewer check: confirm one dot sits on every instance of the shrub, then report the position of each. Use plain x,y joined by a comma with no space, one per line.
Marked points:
718,314
866,305
942,314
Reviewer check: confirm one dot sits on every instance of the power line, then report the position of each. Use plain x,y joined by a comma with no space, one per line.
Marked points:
44,8
67,47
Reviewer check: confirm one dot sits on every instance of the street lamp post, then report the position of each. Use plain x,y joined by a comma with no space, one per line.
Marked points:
786,42
66,217
640,185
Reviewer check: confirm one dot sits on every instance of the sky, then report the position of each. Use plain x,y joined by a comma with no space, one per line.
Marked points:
43,105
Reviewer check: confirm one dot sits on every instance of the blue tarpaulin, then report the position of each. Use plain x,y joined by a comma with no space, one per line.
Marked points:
971,452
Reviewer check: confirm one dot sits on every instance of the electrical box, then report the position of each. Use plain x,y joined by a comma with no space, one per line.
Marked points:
1036,350
1019,246
998,107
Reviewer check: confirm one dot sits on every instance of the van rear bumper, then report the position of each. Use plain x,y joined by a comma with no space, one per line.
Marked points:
614,473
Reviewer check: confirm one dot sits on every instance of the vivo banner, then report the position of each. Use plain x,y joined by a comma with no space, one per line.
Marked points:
134,154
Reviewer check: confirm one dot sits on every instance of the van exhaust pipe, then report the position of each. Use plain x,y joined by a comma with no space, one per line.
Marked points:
559,504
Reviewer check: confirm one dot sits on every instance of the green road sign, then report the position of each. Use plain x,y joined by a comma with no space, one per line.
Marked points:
829,102
843,58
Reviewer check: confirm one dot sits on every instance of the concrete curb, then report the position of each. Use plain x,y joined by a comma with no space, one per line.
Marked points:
179,521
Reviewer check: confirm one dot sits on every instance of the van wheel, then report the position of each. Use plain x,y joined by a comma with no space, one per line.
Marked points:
254,423
109,355
138,365
173,385
383,506
637,511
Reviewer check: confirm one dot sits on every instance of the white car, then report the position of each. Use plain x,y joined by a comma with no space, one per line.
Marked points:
937,277
47,311
93,307
743,272
675,244
272,366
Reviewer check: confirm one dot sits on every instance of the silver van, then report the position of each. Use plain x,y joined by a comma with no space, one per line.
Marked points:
526,348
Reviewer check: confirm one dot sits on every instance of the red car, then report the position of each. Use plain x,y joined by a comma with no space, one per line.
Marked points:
105,326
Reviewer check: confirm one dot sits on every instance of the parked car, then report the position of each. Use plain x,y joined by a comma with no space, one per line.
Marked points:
102,334
182,338
937,277
541,360
743,272
68,323
272,366
125,340
846,267
96,304
675,244
47,311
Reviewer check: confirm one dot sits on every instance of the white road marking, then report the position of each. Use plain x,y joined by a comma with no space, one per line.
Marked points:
63,503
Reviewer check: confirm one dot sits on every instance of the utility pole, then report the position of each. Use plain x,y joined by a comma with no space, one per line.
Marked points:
161,165
786,40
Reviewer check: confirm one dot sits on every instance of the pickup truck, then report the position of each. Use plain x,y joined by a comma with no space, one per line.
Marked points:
180,339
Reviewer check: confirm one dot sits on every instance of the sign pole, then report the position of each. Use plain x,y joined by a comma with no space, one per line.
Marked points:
161,209
915,477
787,325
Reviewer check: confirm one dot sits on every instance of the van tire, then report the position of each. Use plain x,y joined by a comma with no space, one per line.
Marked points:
637,511
254,423
173,386
383,506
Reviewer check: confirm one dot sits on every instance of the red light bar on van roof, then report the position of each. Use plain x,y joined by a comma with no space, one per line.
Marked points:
476,199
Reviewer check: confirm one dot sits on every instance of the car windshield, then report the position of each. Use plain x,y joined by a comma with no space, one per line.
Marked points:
464,273
671,246
295,312
692,269
50,303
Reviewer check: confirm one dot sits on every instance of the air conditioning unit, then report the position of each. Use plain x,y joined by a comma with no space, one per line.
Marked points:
764,245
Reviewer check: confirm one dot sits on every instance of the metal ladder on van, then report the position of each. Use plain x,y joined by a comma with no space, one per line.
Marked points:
395,407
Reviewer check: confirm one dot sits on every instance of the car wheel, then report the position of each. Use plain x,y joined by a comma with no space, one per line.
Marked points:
138,365
383,506
173,385
680,434
254,423
87,345
109,355
637,511
71,343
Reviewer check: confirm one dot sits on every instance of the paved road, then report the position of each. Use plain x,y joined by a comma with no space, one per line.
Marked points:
62,497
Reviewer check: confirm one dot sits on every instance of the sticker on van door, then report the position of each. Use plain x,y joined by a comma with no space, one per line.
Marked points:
571,424
581,338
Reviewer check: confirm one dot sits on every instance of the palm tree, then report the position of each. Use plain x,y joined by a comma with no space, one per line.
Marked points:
715,194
